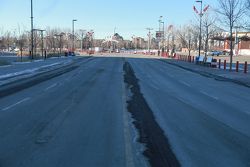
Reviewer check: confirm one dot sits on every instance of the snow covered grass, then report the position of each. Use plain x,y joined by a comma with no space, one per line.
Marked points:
4,63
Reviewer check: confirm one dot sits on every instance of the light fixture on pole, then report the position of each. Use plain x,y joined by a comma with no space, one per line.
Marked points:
201,14
149,38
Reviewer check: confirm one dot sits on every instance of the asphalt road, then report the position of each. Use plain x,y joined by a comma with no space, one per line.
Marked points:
76,119
207,121
80,118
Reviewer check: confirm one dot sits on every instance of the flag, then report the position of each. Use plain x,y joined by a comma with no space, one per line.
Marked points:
196,11
206,8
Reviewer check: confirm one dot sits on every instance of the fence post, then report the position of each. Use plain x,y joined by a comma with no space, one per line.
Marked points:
237,66
245,67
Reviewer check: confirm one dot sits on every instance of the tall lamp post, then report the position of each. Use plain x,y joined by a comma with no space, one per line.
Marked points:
149,38
201,14
73,33
32,34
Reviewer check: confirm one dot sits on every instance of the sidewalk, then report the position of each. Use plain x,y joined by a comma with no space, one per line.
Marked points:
16,71
20,76
219,74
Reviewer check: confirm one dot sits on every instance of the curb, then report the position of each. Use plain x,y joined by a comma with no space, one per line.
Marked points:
209,75
25,82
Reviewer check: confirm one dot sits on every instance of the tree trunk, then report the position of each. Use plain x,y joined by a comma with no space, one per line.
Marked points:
189,47
231,47
206,42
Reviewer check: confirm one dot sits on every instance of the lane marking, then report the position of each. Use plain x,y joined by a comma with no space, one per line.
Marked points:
211,96
51,86
13,105
185,83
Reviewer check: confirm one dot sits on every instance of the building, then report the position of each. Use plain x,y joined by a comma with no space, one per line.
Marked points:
241,43
139,43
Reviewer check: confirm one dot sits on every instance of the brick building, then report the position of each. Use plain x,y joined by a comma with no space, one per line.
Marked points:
241,44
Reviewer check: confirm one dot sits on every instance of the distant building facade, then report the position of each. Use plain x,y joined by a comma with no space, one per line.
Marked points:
241,42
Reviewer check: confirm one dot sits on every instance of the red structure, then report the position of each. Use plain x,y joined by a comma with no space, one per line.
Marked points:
222,43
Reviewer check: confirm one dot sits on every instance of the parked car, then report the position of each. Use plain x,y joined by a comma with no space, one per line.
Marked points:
215,53
226,53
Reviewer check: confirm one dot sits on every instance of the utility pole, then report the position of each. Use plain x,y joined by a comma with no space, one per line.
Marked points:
149,38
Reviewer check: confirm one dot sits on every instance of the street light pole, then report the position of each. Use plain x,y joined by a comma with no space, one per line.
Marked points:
149,38
73,33
201,14
32,35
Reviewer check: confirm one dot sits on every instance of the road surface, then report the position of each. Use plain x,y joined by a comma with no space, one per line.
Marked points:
83,118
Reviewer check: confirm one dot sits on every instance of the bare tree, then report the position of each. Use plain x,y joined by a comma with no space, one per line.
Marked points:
21,40
231,11
247,24
7,40
184,35
187,36
209,29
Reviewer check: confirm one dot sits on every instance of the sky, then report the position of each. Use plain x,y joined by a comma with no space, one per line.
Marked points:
126,17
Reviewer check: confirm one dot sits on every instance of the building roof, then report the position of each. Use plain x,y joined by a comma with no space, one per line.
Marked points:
244,36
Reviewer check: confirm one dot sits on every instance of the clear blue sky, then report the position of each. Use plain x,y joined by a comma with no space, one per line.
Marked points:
130,17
